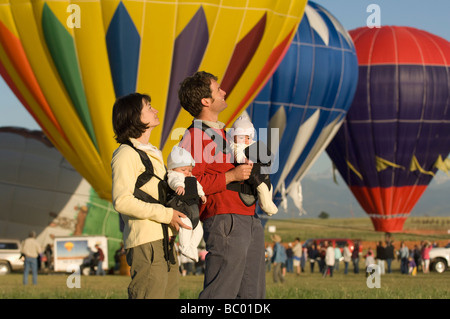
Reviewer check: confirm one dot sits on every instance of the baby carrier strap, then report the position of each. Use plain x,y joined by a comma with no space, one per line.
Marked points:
258,152
226,149
142,179
191,191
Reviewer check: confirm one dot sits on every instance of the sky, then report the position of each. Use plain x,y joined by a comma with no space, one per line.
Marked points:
431,16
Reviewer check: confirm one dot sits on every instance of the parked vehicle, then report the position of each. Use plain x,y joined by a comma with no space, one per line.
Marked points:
10,256
440,259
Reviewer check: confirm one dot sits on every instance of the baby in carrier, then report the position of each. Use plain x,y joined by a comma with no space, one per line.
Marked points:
246,150
187,192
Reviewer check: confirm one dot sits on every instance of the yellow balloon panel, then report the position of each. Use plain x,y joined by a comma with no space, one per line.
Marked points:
154,63
96,77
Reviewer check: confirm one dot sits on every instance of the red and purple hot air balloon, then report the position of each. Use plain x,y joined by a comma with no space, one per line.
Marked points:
397,132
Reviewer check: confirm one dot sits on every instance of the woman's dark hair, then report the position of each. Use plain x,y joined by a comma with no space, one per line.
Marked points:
193,89
126,117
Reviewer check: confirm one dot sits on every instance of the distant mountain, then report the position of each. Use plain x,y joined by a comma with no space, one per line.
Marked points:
320,193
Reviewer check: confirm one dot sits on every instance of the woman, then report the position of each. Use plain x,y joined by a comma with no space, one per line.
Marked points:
426,257
153,271
347,257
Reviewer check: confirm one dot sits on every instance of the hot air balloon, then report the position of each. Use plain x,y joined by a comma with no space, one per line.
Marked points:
397,131
68,245
68,62
40,190
307,98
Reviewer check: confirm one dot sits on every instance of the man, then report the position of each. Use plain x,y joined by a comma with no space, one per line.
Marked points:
234,236
297,250
389,254
330,259
31,250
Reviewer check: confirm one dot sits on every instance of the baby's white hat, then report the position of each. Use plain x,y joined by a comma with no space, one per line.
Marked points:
179,157
243,126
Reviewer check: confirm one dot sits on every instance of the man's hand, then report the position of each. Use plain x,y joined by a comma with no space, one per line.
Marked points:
239,173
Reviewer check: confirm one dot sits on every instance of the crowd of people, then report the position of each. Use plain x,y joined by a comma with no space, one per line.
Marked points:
293,257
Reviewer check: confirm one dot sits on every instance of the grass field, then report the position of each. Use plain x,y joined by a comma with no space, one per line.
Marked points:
306,286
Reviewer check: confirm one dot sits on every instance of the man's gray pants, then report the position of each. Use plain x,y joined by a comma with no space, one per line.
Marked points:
235,263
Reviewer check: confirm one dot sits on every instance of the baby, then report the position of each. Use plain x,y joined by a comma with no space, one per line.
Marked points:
187,193
243,133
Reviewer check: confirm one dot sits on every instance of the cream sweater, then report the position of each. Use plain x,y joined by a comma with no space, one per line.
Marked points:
142,220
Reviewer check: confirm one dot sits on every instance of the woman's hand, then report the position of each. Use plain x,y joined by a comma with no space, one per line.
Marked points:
176,220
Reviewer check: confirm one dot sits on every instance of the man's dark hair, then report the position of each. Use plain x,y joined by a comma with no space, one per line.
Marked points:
126,117
193,89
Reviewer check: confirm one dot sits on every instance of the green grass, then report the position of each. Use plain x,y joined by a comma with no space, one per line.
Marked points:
305,286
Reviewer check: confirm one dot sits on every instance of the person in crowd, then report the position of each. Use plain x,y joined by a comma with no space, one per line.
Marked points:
48,252
297,250
313,255
31,250
329,259
426,257
369,262
289,259
389,253
412,267
321,259
381,257
347,254
417,255
100,256
118,255
337,257
278,259
403,255
268,256
304,258
355,257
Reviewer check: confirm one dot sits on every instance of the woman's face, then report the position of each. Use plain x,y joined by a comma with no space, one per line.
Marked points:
149,115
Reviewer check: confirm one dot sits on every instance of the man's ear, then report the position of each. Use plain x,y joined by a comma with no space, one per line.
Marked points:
205,101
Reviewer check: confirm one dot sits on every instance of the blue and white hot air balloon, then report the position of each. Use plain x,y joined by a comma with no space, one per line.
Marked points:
307,98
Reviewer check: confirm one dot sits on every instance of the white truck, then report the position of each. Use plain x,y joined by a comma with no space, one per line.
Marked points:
440,258
10,256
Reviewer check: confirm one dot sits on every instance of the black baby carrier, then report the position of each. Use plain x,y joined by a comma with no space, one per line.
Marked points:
187,203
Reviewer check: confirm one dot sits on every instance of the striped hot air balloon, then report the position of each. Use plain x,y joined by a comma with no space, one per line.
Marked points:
397,131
